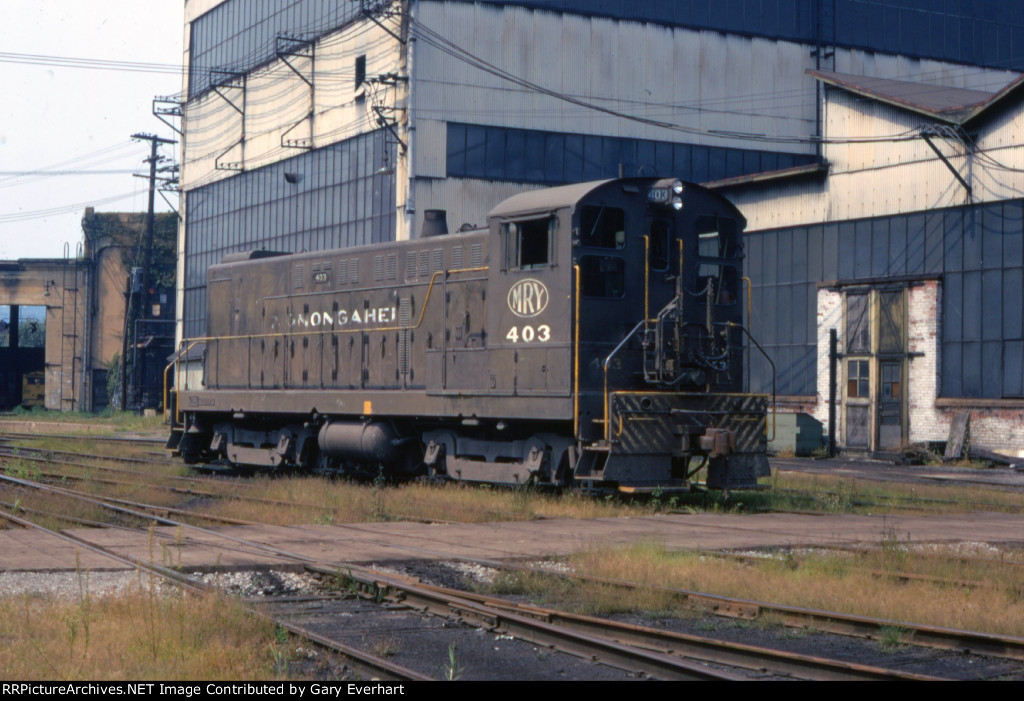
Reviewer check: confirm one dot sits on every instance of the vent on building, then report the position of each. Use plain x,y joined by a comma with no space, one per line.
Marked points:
360,71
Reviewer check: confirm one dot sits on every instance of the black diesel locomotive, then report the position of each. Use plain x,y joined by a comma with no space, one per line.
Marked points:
591,336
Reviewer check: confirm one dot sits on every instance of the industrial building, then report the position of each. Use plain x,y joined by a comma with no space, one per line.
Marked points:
909,246
62,321
871,143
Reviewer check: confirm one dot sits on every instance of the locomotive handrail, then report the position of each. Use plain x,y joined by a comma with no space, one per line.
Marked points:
176,362
576,359
647,275
607,362
770,362
419,322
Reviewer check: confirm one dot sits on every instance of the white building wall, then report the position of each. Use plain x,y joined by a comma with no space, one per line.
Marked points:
830,316
879,166
703,83
272,113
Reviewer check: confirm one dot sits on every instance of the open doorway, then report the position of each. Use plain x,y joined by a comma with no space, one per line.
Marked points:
22,356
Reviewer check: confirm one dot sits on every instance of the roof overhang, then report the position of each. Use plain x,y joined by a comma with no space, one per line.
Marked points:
801,171
956,106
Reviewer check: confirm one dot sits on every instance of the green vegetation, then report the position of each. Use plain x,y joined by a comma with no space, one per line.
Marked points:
106,423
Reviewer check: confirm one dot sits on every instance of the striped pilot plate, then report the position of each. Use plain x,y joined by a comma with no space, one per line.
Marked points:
654,422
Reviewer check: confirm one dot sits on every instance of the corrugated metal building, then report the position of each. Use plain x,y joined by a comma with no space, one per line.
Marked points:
909,245
312,124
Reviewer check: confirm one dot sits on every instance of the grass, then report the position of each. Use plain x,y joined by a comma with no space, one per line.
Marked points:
305,499
837,494
451,668
142,635
388,646
836,581
110,422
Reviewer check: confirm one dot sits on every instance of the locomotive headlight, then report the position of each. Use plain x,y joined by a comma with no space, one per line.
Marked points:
677,188
677,203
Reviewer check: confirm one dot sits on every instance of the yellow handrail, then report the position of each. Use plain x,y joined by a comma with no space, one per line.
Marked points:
576,359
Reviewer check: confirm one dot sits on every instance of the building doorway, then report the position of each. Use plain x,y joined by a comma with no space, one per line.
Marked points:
22,356
875,368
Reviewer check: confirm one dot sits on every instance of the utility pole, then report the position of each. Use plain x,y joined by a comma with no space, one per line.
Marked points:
147,256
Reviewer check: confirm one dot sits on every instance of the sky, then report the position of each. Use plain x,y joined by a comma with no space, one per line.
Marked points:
67,115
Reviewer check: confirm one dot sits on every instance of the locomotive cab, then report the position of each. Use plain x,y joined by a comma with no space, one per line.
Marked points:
652,323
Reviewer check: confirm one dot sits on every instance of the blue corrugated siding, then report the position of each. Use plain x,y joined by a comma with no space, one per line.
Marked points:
979,252
552,158
337,201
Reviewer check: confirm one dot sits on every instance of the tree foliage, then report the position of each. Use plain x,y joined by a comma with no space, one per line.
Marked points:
128,231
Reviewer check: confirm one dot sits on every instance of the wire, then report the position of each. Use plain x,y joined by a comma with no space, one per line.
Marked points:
432,38
94,158
48,173
63,209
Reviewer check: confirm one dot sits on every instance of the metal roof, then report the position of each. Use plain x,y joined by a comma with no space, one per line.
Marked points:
952,105
819,169
543,201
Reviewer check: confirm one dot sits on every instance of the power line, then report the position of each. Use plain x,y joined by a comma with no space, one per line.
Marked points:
446,46
49,173
63,209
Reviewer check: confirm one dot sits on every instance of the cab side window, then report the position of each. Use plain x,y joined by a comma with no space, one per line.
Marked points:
529,243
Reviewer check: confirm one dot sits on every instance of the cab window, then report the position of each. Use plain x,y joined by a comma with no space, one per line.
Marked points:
602,227
717,237
660,244
529,243
603,276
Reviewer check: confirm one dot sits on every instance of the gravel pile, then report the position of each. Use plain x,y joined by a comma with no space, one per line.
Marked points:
250,584
73,585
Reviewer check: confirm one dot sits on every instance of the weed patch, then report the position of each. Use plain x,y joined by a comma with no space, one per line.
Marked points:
143,635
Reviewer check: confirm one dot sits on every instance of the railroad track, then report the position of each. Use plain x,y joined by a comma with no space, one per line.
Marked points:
140,440
494,615
635,648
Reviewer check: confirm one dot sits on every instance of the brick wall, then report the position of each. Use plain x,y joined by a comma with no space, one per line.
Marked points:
927,423
830,316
